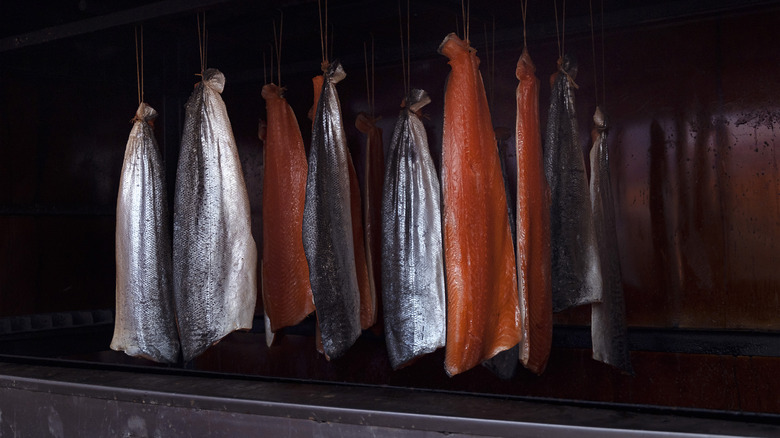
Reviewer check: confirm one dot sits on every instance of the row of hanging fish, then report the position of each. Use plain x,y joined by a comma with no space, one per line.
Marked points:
438,265
162,312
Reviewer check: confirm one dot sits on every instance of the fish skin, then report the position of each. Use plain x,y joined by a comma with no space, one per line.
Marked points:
368,298
608,318
483,314
412,253
327,225
287,296
374,171
145,323
576,271
214,254
533,224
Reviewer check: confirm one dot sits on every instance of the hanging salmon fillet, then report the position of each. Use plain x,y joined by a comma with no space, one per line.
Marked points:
367,293
608,318
368,298
533,224
483,314
287,297
327,224
576,271
374,171
145,321
412,256
214,254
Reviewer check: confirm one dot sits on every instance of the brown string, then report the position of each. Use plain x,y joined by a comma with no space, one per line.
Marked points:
322,37
403,46
593,45
278,50
603,61
202,42
368,84
139,66
523,11
557,32
408,51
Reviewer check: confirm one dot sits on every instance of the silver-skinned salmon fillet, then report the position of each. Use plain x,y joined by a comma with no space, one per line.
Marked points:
327,224
214,254
608,318
412,254
576,271
145,322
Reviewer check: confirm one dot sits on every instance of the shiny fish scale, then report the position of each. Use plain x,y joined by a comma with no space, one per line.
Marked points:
215,257
327,225
608,318
412,256
145,324
576,271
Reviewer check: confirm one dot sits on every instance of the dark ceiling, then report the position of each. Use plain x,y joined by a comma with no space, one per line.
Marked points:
89,41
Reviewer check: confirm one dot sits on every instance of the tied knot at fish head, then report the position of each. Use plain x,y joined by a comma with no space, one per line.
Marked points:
145,113
525,67
335,72
600,120
568,66
415,101
272,91
365,123
214,79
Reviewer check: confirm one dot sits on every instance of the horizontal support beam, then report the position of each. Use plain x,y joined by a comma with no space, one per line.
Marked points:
93,402
129,16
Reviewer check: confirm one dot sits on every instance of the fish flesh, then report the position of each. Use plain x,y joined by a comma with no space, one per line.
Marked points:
533,224
367,293
608,318
327,224
145,320
412,255
374,175
575,269
214,254
286,292
483,314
